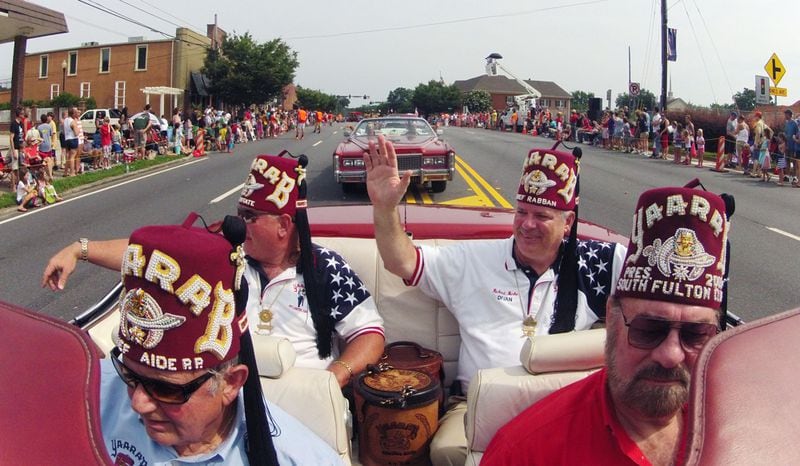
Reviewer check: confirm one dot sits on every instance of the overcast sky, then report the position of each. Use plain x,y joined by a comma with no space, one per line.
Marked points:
371,47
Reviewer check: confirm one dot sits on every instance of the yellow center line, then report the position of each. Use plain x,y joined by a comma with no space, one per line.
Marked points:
493,192
474,186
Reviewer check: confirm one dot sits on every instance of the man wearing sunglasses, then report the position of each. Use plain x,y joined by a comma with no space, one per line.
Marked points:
176,387
667,305
296,289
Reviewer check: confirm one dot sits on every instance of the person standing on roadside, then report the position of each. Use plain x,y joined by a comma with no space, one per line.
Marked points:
17,135
742,136
71,142
141,125
792,133
730,141
46,146
759,128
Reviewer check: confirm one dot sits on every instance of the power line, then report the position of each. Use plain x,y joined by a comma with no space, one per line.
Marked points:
170,15
700,50
442,23
151,14
714,46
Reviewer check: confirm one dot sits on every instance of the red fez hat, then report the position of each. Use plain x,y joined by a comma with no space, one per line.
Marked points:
549,179
178,311
677,248
273,185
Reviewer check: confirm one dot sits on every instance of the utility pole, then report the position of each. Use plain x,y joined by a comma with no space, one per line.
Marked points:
663,55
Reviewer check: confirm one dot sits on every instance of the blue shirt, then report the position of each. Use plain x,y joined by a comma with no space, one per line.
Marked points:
790,130
127,441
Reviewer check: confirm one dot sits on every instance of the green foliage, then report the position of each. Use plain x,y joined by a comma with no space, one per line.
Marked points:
478,101
5,106
645,99
245,72
745,100
400,100
64,100
722,108
316,100
435,97
580,101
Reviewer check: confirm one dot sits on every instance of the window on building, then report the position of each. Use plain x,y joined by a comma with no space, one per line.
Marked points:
44,62
105,60
55,91
559,103
141,58
86,90
72,64
119,94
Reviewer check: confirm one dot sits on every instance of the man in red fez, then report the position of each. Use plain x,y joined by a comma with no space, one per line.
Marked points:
666,306
297,290
540,280
175,387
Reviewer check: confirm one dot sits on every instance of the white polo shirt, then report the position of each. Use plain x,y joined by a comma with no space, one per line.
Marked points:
352,307
480,283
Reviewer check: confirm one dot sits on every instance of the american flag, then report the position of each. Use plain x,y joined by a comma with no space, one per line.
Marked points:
595,269
346,290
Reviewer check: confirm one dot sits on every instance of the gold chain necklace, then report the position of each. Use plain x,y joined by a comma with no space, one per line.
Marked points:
528,321
267,314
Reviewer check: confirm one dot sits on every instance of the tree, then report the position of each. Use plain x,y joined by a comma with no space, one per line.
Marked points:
244,72
645,99
721,108
580,101
399,101
316,100
745,100
435,97
478,101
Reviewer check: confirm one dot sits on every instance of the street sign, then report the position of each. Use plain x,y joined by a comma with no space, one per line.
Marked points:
775,69
778,91
762,89
634,89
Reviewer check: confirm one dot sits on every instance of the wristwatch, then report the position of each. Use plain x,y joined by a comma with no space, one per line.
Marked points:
84,248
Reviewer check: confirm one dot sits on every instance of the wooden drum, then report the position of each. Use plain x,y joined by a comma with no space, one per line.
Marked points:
398,413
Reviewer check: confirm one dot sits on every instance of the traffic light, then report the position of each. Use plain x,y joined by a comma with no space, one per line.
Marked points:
349,96
763,86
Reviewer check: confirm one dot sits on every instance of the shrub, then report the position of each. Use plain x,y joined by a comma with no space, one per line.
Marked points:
712,123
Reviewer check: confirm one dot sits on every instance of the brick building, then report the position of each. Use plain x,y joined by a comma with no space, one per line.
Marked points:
116,74
502,88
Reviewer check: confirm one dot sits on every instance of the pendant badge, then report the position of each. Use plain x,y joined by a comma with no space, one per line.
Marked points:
528,326
265,320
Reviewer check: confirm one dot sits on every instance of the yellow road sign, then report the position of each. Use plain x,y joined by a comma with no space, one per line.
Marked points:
778,91
775,69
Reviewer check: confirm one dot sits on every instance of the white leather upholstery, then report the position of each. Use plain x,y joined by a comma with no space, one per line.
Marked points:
498,395
274,356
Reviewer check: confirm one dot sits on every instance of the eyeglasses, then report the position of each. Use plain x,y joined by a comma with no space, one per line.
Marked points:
164,392
648,332
250,217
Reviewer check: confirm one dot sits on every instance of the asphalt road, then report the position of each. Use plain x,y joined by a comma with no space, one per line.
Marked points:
765,235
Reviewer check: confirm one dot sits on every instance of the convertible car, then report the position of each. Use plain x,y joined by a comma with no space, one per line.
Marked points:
419,149
743,408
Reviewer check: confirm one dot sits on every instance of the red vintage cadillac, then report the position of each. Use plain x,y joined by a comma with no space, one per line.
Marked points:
419,149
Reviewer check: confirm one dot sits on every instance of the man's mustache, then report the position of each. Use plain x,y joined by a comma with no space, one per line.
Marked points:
657,372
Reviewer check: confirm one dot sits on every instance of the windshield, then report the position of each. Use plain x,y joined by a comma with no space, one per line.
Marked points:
411,127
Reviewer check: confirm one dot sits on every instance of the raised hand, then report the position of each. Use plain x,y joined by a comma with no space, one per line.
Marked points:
385,186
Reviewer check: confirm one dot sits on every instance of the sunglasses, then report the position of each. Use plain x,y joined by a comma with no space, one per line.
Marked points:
648,332
249,216
164,392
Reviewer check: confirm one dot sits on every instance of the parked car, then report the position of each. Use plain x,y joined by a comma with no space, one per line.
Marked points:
89,117
419,149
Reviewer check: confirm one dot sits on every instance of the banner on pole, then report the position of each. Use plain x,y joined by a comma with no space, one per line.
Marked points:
672,51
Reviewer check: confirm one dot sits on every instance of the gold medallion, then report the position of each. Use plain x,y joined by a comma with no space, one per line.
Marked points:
529,326
265,319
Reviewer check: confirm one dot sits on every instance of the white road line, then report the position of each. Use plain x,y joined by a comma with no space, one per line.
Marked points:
71,199
335,132
470,132
226,194
784,233
317,143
